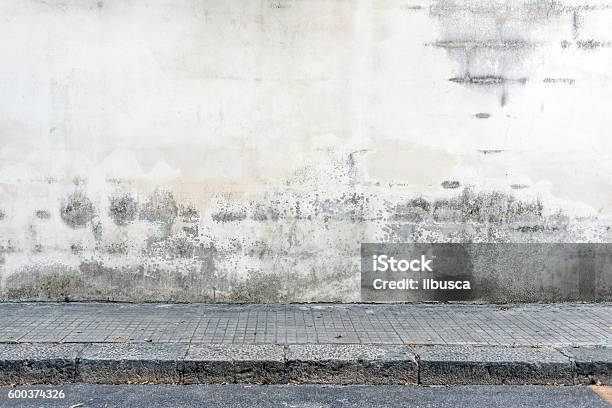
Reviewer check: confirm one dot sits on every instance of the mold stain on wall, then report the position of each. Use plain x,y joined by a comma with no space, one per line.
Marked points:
287,243
497,45
77,210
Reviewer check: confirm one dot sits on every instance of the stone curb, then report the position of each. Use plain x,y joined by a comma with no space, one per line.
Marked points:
120,363
39,363
107,363
493,365
591,364
351,364
258,363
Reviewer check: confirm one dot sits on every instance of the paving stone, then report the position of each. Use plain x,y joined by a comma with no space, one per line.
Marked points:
351,364
447,365
38,363
556,325
132,362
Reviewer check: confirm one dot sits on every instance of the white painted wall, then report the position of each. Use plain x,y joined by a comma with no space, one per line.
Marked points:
337,110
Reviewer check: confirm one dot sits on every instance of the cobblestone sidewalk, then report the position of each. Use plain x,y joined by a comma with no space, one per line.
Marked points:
520,325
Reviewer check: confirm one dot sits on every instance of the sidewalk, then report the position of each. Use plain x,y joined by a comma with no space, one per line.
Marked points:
197,343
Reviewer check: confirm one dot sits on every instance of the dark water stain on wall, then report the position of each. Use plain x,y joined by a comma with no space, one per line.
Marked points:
450,184
415,210
188,213
160,208
263,212
491,40
96,229
180,246
286,243
42,214
286,263
229,216
77,210
94,280
55,282
117,248
191,218
485,207
348,206
266,286
536,228
592,44
123,209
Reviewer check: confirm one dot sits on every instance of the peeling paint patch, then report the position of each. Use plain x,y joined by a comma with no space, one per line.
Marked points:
77,210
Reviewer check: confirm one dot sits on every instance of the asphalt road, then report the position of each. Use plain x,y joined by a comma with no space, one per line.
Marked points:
309,396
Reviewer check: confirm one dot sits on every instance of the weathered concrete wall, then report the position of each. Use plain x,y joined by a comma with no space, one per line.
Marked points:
242,150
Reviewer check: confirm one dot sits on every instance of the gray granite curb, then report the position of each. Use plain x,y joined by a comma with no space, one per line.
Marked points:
351,364
228,363
493,365
39,363
117,363
121,363
591,364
